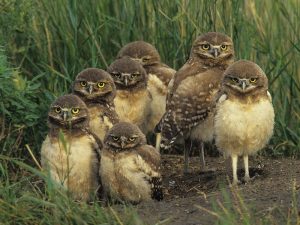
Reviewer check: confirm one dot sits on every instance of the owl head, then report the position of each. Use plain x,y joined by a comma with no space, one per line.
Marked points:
243,78
68,112
94,85
140,51
128,74
124,136
214,46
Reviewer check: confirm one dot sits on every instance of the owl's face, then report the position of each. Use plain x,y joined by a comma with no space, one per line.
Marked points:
94,85
140,51
214,46
68,112
127,74
245,77
124,137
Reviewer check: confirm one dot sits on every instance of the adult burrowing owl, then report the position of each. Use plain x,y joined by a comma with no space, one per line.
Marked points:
244,118
130,169
70,152
148,56
97,89
191,101
133,100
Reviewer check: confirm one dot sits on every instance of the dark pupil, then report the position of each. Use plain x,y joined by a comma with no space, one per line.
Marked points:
117,75
206,46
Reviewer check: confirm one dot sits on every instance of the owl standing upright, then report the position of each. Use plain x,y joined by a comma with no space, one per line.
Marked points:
244,119
70,152
130,169
159,76
133,100
97,89
191,100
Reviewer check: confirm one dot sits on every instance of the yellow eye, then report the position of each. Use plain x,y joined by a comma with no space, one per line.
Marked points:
205,46
235,79
253,80
115,138
83,83
57,109
101,84
134,75
75,110
145,59
223,47
117,75
132,139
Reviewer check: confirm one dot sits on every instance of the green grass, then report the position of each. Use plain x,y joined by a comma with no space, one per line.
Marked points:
44,44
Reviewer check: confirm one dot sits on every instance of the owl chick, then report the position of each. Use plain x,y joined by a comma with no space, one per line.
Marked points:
148,56
97,89
130,169
70,152
191,101
133,100
244,117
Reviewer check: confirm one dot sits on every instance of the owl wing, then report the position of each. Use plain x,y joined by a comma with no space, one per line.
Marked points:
192,100
97,142
149,162
111,113
162,71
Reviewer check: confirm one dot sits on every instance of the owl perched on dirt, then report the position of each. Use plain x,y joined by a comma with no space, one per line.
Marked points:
148,56
244,117
133,100
97,89
191,101
130,169
70,152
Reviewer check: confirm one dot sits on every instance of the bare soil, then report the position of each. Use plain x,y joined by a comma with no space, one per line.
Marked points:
270,192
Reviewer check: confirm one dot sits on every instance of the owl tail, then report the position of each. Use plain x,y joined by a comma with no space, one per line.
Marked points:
156,188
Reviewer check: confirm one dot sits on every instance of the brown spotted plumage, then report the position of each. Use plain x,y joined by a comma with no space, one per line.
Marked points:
97,89
130,169
244,119
191,98
70,152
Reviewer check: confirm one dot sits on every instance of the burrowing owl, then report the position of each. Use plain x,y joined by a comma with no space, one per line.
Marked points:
244,118
97,89
191,101
133,100
148,56
70,153
130,169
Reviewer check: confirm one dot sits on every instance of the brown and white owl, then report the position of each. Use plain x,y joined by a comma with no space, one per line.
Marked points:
133,99
244,119
130,169
70,153
148,56
97,89
191,99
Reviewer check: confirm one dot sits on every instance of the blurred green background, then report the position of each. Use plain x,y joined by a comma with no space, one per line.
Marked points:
44,44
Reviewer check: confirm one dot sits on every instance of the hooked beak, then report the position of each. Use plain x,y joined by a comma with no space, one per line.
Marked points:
123,139
65,115
126,80
243,84
91,88
215,52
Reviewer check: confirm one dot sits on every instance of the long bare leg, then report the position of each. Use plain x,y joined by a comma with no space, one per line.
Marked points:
187,147
234,159
158,140
246,164
202,156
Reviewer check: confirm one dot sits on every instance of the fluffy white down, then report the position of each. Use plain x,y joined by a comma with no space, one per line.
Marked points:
76,171
124,176
243,128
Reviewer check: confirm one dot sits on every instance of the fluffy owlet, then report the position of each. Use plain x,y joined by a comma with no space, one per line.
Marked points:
191,101
70,152
97,89
244,117
130,169
133,100
149,57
